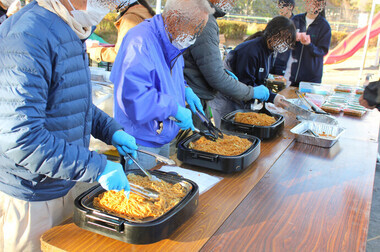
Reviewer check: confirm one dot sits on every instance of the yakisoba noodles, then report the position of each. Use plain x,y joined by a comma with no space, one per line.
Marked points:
136,207
259,119
226,146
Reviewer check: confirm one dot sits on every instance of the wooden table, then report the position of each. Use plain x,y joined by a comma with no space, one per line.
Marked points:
294,197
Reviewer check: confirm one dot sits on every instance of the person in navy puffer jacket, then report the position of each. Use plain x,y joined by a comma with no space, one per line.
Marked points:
148,76
314,36
47,117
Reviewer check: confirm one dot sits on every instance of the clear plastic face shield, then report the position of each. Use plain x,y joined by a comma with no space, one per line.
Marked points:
280,42
183,29
284,8
224,5
95,11
6,3
315,6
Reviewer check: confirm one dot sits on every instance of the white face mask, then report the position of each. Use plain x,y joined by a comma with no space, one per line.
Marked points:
281,48
183,41
93,14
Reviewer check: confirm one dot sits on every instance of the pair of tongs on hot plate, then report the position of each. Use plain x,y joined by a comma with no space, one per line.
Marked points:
310,104
150,176
146,193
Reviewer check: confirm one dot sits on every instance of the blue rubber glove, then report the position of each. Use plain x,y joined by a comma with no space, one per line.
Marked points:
261,93
184,117
193,100
114,178
124,144
231,74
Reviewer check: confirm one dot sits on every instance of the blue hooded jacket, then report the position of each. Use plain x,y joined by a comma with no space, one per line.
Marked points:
149,83
309,59
250,62
47,114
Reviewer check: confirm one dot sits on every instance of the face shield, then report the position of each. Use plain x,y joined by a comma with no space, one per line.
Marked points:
183,29
7,3
315,6
95,11
224,5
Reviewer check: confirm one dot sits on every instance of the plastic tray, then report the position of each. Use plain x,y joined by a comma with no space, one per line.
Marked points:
225,164
305,136
262,132
88,217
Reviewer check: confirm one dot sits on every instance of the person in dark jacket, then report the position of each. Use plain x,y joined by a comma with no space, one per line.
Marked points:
249,61
150,89
204,70
371,96
306,61
47,118
280,60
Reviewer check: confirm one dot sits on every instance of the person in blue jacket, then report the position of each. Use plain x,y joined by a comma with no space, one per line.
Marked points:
47,117
279,60
250,62
306,61
148,76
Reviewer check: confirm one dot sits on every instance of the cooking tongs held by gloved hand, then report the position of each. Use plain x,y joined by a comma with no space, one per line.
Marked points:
146,193
160,158
214,131
207,134
150,176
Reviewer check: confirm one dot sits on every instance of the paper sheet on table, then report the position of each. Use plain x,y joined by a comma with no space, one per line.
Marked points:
203,180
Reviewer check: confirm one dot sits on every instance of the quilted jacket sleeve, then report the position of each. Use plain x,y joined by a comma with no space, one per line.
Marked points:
103,126
206,55
24,86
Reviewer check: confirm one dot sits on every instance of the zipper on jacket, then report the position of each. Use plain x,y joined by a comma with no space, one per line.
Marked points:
89,96
299,64
175,61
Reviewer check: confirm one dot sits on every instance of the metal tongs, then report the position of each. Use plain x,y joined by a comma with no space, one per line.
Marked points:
150,176
212,130
146,193
310,104
158,157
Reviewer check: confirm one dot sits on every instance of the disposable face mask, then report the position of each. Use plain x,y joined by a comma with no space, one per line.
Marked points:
183,42
281,48
93,14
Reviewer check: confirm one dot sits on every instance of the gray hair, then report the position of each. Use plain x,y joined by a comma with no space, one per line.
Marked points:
175,5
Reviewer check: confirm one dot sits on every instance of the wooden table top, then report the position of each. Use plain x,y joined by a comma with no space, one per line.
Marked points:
294,197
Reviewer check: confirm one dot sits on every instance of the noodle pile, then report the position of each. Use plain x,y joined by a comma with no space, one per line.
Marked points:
137,207
253,118
226,146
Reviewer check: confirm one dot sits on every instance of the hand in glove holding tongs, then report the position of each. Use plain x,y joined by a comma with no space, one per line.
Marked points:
113,177
184,118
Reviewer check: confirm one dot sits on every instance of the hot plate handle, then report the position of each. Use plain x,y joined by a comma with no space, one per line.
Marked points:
110,224
207,158
241,127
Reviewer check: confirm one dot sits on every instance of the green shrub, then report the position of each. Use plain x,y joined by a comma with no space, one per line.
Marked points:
106,28
232,29
253,28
